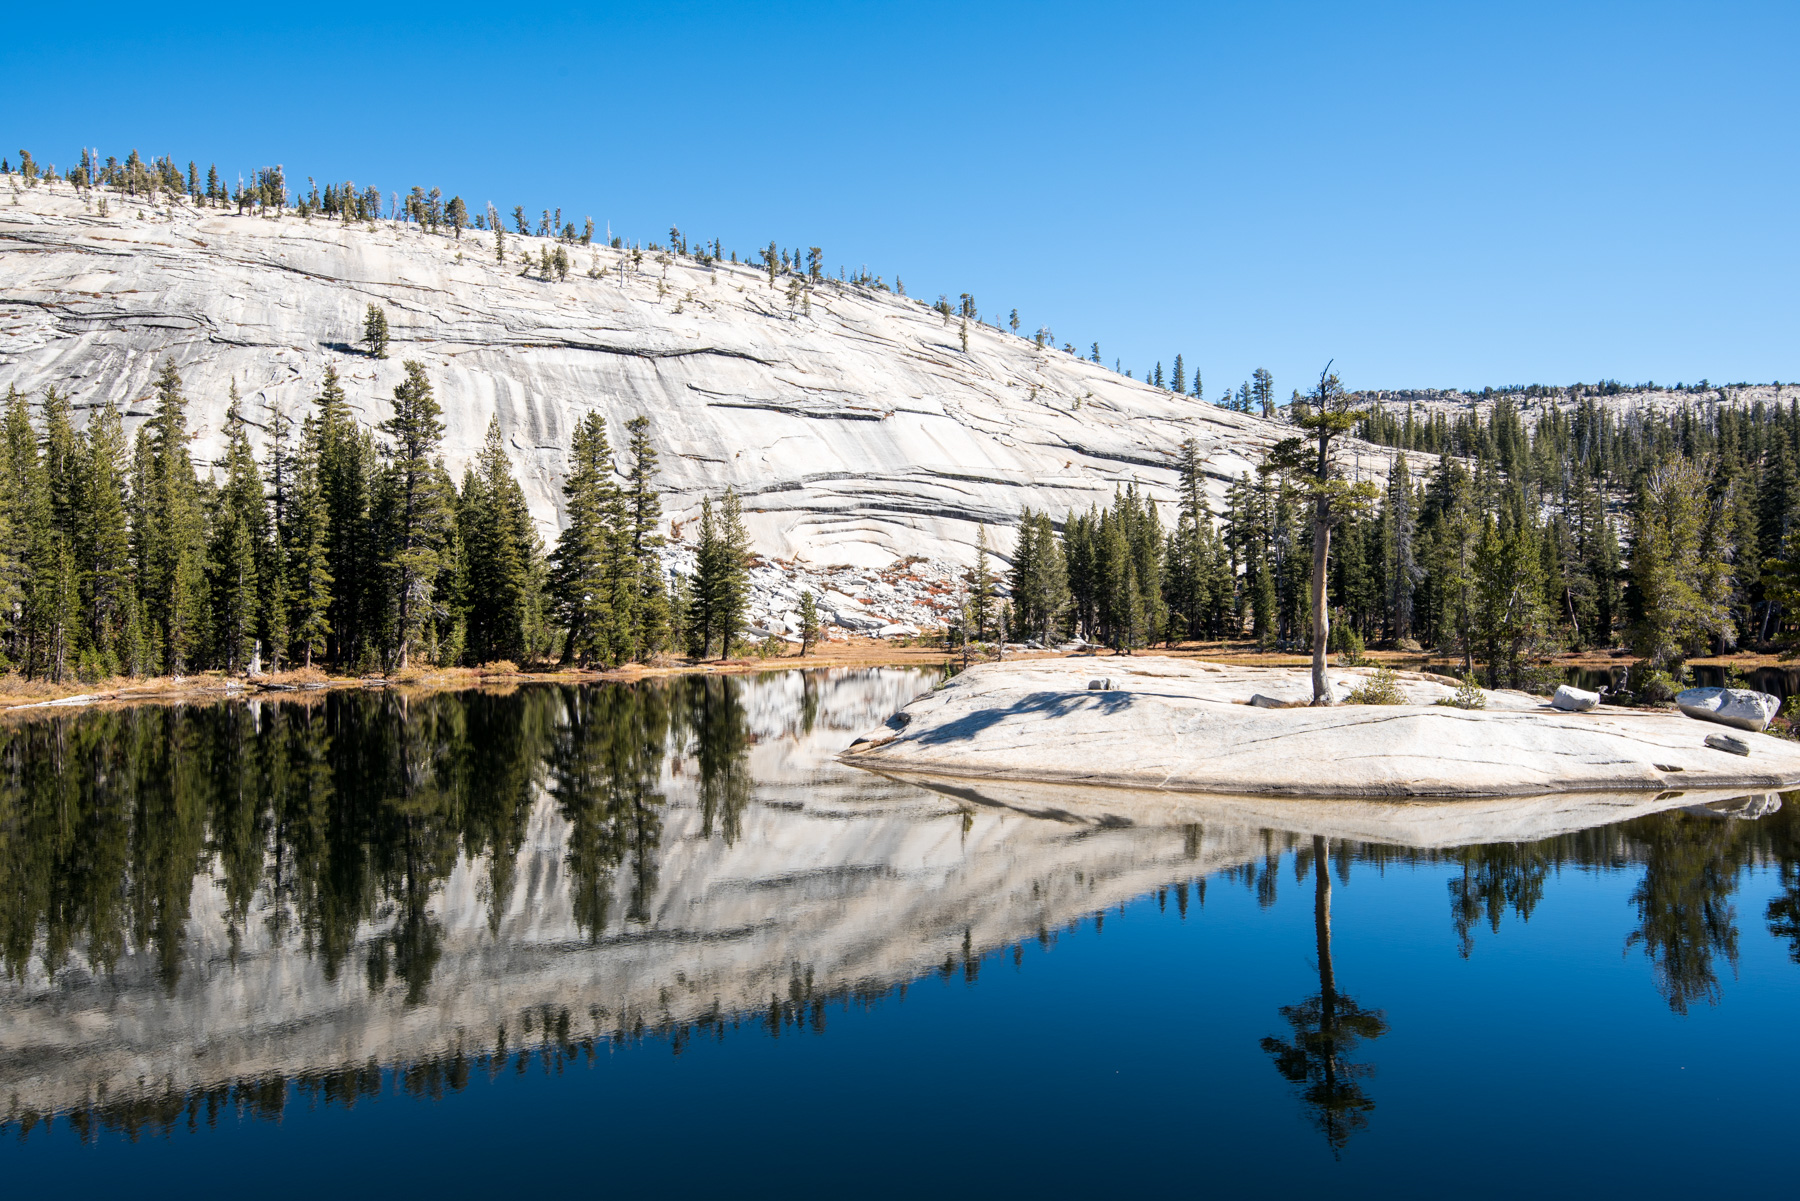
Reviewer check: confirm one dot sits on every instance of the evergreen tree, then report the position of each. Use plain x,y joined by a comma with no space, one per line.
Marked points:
308,542
721,583
578,585
980,580
420,509
375,331
809,622
500,559
1401,529
1679,567
173,538
239,547
1330,498
103,541
651,610
346,465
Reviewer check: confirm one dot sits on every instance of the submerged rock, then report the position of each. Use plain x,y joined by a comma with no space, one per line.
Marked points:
1575,700
1744,708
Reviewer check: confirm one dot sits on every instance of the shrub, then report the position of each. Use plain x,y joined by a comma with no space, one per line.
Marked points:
1381,688
1468,695
1652,685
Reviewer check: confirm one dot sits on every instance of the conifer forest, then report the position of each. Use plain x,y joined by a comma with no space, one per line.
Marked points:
346,547
1491,538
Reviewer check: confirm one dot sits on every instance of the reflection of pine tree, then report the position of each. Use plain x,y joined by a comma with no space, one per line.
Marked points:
604,767
1685,914
722,729
1327,1029
1494,879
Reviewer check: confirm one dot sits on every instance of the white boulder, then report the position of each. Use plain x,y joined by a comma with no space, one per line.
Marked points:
1744,708
1575,700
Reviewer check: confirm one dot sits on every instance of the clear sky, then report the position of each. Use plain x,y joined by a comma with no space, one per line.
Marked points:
1444,194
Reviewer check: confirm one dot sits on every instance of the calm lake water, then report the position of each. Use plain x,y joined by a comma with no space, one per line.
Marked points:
654,940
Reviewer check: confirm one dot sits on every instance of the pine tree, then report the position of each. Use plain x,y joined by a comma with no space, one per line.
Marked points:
721,578
239,547
1679,567
102,536
809,622
375,331
1262,392
1404,572
307,541
419,507
980,580
578,584
651,610
499,545
1331,499
346,466
173,556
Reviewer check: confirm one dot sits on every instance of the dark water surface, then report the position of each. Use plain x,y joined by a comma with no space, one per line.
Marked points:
652,940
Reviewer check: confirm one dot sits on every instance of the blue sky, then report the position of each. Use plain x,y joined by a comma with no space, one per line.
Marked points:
1434,195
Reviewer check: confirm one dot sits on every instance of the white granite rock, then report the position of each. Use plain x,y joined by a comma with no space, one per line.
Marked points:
1181,724
859,433
1575,700
1744,708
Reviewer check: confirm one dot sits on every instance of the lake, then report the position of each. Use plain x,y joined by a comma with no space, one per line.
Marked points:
616,940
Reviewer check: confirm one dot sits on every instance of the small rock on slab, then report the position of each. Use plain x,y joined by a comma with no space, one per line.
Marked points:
1575,700
1744,708
1260,701
1100,685
1725,742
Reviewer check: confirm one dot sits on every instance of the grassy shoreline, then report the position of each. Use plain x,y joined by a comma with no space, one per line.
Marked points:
19,697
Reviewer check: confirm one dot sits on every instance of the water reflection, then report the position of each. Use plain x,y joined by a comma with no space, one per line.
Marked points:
1328,1027
216,909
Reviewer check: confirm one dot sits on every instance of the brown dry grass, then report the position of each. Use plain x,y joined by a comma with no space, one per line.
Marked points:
15,691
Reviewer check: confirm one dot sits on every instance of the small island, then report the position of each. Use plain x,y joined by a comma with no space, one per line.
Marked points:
1183,725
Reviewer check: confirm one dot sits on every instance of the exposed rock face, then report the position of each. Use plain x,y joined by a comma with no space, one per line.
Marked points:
1190,726
1744,708
858,434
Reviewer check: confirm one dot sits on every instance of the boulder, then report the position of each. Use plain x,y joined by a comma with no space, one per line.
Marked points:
1575,700
850,620
1744,708
1101,685
1725,742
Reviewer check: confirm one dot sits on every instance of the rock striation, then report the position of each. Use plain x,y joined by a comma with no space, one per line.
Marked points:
859,431
1183,725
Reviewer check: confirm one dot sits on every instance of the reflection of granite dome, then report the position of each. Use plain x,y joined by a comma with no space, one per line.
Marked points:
845,883
743,875
858,433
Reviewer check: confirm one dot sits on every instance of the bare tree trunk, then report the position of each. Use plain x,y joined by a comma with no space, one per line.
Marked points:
1321,620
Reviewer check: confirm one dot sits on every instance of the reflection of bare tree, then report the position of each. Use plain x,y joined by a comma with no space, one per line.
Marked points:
1327,1028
